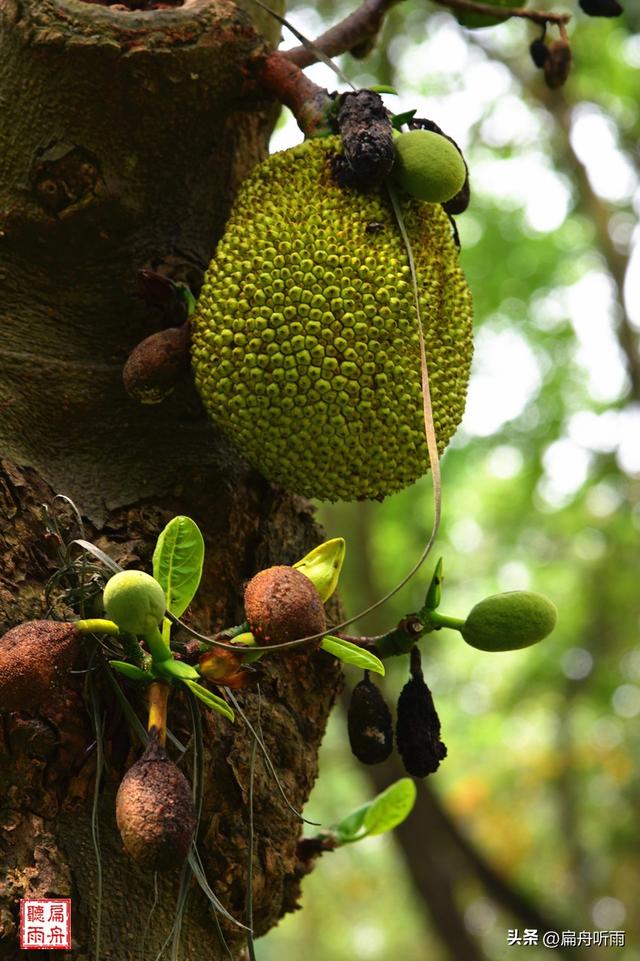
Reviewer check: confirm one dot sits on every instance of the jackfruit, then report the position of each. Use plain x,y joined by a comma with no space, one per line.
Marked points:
304,340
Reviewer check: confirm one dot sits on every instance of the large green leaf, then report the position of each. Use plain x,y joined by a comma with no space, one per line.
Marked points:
352,654
177,562
391,807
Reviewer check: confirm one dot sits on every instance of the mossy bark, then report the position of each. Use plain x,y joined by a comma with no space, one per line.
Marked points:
123,137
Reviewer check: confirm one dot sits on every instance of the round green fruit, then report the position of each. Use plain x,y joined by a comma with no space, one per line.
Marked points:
304,341
135,601
428,166
508,622
476,20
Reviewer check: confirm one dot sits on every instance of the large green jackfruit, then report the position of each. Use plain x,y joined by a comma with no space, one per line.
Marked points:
304,342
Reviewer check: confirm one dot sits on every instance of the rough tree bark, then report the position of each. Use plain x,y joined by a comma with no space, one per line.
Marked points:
123,136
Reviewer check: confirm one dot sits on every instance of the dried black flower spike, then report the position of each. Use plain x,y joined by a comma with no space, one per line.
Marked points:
418,724
539,52
369,723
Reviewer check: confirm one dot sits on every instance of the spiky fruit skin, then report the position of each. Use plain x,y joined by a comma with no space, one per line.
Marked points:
428,166
155,812
510,621
304,342
281,604
135,601
35,658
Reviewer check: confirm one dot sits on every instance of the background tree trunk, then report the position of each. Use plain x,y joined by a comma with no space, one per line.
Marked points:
123,137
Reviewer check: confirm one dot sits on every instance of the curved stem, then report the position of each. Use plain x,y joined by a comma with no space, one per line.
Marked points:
158,702
160,650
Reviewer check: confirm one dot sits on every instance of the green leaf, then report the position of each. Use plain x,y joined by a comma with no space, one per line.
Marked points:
348,828
177,562
384,88
434,593
399,119
352,654
391,807
131,671
211,700
170,668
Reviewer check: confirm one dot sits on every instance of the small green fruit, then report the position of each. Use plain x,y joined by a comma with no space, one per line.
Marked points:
508,622
428,166
477,20
135,601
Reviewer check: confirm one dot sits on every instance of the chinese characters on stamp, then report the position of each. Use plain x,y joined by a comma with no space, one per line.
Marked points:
46,924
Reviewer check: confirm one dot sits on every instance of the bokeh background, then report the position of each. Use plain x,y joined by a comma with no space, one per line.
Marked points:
533,820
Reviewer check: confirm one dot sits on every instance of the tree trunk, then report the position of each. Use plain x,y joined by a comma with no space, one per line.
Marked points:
123,137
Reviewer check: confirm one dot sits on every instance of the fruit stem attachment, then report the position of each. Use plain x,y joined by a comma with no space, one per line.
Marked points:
158,702
158,647
439,620
132,648
97,625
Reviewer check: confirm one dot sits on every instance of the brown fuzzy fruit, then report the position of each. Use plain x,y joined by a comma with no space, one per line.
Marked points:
154,810
281,604
34,660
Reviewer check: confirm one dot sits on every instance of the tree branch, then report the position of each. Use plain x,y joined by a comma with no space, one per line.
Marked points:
506,13
359,29
599,212
278,77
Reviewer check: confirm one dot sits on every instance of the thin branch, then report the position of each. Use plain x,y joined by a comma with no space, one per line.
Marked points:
599,213
358,29
617,263
506,13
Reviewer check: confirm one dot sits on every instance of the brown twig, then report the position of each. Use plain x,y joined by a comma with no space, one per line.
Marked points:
280,78
357,30
505,13
361,27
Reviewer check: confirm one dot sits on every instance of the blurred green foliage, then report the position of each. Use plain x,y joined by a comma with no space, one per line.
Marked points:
541,492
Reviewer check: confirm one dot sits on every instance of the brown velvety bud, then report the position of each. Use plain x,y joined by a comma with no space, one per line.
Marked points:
558,64
35,658
155,811
281,604
369,723
155,366
418,725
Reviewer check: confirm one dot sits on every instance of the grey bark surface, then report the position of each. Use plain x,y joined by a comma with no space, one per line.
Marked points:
123,137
